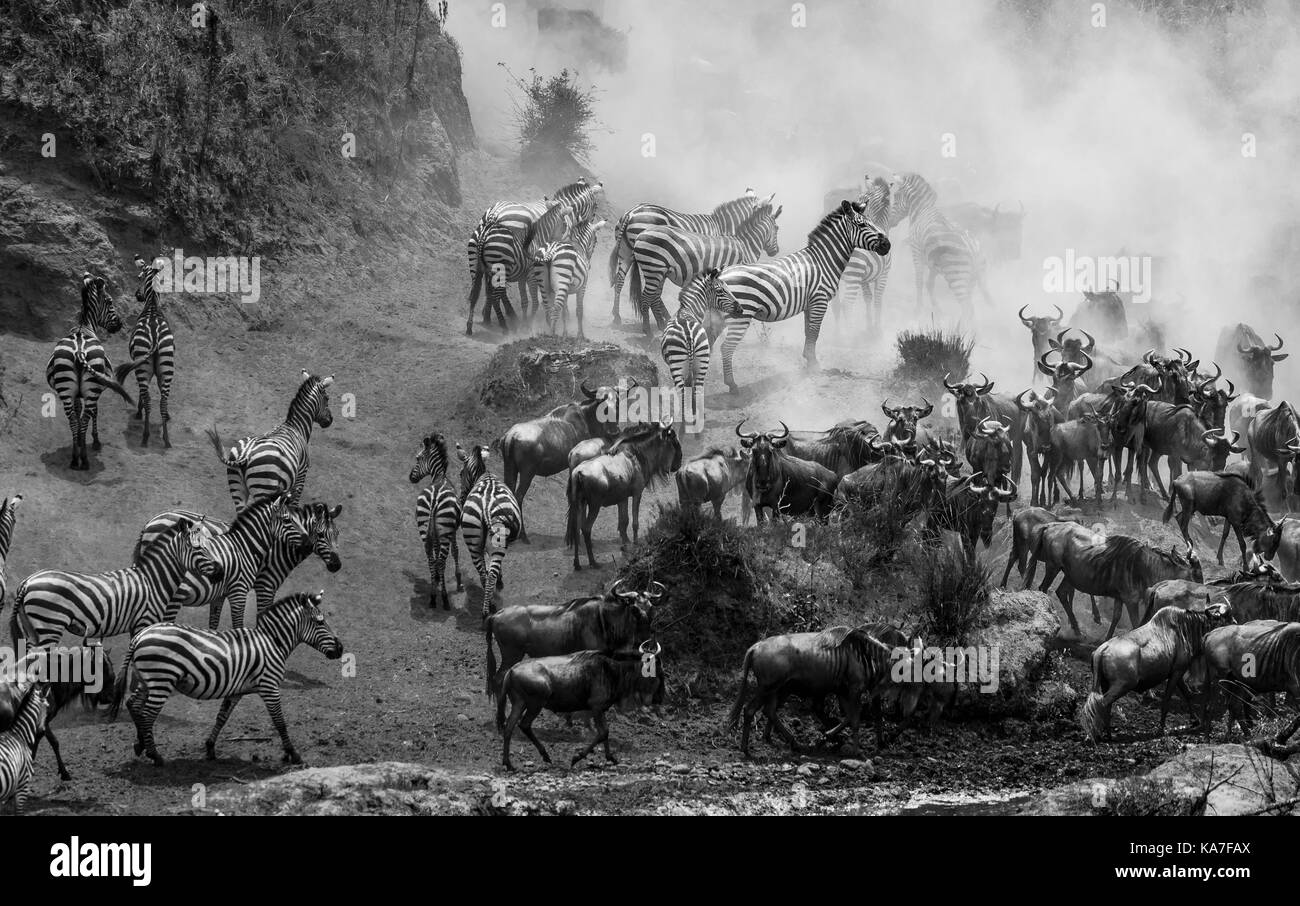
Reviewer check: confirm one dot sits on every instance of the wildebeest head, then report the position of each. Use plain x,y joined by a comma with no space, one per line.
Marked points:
1042,329
596,405
1064,373
1038,416
1211,403
1073,349
764,460
1220,446
1257,361
1129,409
648,688
1104,428
903,419
990,448
1104,314
990,496
638,607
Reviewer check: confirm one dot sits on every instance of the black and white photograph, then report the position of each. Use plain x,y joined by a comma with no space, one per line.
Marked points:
679,408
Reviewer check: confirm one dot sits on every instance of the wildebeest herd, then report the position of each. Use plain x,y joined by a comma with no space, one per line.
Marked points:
1096,389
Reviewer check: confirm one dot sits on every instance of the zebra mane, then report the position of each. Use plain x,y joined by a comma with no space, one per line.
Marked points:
828,223
283,605
253,511
159,544
737,206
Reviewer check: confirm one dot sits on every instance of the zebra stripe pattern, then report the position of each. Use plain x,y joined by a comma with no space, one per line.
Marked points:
437,516
801,282
504,256
685,344
51,602
205,665
722,220
8,515
79,369
867,272
559,269
490,520
268,465
303,529
153,352
938,247
671,253
16,746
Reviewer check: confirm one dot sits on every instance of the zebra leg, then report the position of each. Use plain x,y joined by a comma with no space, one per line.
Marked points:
227,706
164,373
474,288
238,600
90,413
144,375
74,428
271,697
812,327
733,333
578,312
440,567
144,715
432,553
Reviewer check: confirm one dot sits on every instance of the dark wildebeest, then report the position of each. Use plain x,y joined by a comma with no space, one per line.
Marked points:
1040,416
1160,651
904,423
540,447
1273,438
81,674
1102,314
848,663
1073,349
709,478
904,697
8,514
967,506
904,481
1160,430
784,484
1119,567
1232,497
1288,548
1025,526
977,402
1249,359
584,681
842,448
1041,331
1258,656
1080,442
1065,377
643,455
617,619
1255,593
1211,403
587,449
994,449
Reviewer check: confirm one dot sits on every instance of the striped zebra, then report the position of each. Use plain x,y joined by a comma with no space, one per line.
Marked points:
803,281
267,465
722,220
303,529
559,269
17,745
153,352
8,515
204,665
867,272
520,218
437,516
938,246
79,369
505,255
685,344
671,253
97,605
490,520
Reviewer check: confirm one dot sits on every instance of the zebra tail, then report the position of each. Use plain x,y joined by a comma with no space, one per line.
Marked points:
491,655
216,444
734,718
123,370
634,286
120,684
106,380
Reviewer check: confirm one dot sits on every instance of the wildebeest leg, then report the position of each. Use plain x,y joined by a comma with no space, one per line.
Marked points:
636,515
589,519
774,722
622,521
526,724
1030,569
1096,467
602,736
1050,572
1059,475
1065,594
1011,559
818,709
525,482
851,708
1175,678
54,745
1114,618
1241,542
750,707
1096,614
516,709
1175,468
1293,690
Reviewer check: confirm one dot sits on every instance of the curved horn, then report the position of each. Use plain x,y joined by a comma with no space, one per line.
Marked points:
750,435
1010,492
1279,343
929,407
655,596
948,385
1059,314
889,413
1092,342
987,383
1146,387
1081,369
1183,354
1146,356
1232,391
1020,400
785,435
976,486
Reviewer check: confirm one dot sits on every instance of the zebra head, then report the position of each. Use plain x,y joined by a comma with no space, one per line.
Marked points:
195,556
718,295
97,310
311,528
864,233
313,629
430,459
761,226
473,466
314,391
146,289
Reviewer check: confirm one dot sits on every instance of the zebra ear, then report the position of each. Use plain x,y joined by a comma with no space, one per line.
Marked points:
305,374
335,512
779,209
317,598
846,207
329,380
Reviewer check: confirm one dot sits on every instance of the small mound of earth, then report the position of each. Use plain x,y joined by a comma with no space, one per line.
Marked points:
539,373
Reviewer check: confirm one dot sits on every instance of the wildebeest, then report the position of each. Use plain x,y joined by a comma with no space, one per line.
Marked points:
710,477
1080,442
1025,526
1259,656
841,448
1065,377
1273,438
992,449
1041,330
8,515
967,506
784,484
848,663
1233,498
1242,411
1072,349
1159,651
587,449
977,403
1249,358
904,423
540,446
1255,593
1036,434
608,622
904,481
80,674
1119,567
1157,430
1211,403
1102,314
584,681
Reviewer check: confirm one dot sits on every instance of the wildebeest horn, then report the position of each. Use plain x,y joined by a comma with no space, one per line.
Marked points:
1081,369
889,413
1092,343
1183,354
1044,367
1279,343
783,436
1020,400
976,486
1216,433
751,435
948,383
1146,387
1023,320
1061,336
987,385
1146,356
1232,391
644,647
929,407
588,393
622,594
655,596
1009,493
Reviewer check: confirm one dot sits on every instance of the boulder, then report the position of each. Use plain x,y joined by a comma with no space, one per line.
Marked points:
1021,626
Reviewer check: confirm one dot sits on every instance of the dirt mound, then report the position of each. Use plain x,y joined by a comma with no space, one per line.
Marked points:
539,373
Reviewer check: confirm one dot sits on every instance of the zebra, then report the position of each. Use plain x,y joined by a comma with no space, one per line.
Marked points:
685,343
722,220
521,218
304,529
267,465
437,516
17,745
203,664
671,253
938,246
490,520
505,254
79,369
868,272
153,352
802,281
560,268
51,602
8,515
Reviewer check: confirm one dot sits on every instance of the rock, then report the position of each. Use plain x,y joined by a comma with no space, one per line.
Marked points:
1021,627
856,765
806,770
1053,698
681,769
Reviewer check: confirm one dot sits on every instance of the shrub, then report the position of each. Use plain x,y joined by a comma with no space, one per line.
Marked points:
927,355
554,115
954,591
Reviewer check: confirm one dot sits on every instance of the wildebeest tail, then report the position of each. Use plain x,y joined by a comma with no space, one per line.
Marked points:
734,718
501,701
574,494
1090,716
491,655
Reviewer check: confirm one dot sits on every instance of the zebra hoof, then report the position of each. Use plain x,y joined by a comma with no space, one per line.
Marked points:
157,759
144,441
291,756
96,446
210,751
